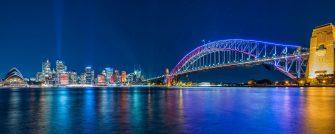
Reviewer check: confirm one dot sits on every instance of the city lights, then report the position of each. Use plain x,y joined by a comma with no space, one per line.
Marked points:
60,76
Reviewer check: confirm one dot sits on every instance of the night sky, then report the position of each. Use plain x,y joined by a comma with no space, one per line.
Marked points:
154,34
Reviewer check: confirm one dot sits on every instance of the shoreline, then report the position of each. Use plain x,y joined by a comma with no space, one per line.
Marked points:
134,86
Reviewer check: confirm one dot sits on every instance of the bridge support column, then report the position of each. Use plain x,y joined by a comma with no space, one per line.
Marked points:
167,77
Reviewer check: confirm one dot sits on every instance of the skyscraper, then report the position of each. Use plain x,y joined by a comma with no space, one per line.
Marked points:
60,73
101,80
63,79
123,77
89,75
46,68
82,78
60,66
116,76
112,79
108,73
137,75
46,75
73,77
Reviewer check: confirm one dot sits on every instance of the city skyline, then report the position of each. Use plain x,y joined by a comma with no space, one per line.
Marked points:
58,74
101,33
167,66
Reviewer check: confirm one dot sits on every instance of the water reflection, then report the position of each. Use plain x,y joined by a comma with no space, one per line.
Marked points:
319,112
158,110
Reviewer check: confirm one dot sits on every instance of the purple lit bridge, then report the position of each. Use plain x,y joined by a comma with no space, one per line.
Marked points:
291,60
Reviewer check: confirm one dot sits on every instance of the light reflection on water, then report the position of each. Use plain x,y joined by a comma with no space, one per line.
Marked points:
159,110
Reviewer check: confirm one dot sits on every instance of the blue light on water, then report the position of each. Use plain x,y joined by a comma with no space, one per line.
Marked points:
88,90
170,110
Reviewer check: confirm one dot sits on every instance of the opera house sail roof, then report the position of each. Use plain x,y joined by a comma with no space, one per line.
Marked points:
14,78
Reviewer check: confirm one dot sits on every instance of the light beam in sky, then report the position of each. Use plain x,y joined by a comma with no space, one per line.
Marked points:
58,8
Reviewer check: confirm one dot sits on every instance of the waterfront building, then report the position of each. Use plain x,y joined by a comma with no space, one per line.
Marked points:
14,78
123,77
82,79
321,65
130,78
138,77
116,77
60,70
63,79
60,67
46,68
39,76
101,80
89,75
46,73
53,79
73,77
112,79
103,72
108,72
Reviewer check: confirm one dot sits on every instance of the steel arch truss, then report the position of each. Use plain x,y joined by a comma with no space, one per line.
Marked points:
288,59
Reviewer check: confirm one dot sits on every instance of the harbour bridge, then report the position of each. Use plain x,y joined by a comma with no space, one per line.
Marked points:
291,60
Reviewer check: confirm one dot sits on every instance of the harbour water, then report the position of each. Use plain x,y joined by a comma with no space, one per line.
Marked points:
168,110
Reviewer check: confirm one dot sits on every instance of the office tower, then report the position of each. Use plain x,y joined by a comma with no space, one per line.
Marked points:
46,67
101,80
108,73
116,76
73,77
123,77
60,66
89,75
63,79
82,78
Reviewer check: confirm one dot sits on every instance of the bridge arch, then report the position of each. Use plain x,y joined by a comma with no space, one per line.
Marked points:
288,59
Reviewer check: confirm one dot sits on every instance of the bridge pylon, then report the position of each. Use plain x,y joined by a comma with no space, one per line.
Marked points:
321,67
167,80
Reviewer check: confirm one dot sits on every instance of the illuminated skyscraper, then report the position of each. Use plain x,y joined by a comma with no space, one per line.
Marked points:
60,66
116,76
89,75
46,74
60,73
63,79
73,77
108,73
46,68
112,79
39,76
82,78
101,80
123,77
130,78
137,75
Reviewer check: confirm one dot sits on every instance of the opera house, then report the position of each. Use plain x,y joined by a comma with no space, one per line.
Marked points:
14,78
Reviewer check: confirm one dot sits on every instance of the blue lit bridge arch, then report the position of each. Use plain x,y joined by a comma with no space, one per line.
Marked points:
288,59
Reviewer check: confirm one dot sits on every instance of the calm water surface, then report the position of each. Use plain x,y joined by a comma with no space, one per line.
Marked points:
159,110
